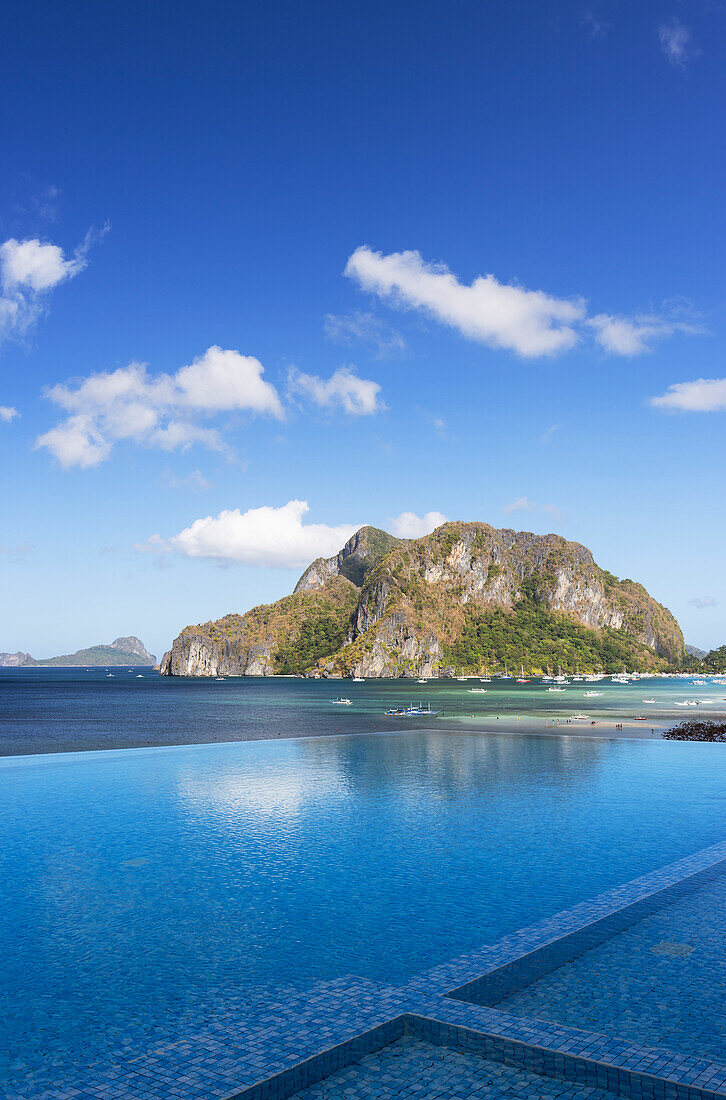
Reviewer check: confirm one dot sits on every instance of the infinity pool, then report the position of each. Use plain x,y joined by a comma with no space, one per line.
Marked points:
147,890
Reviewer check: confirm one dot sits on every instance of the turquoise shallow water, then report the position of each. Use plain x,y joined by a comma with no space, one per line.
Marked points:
145,890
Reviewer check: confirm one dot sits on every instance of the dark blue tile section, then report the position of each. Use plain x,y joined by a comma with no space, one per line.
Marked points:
411,1069
318,1033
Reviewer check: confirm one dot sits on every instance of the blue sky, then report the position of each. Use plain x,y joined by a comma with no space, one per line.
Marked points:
378,258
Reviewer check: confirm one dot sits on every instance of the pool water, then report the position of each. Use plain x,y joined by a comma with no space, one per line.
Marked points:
147,889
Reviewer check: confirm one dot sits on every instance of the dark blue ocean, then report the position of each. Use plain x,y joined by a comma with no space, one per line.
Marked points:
60,710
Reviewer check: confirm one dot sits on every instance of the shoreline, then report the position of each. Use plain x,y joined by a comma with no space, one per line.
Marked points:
507,727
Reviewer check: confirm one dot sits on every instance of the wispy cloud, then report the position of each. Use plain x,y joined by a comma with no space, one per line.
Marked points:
524,504
365,328
551,431
702,395
8,413
594,24
344,389
531,323
676,42
266,536
17,554
410,526
519,504
159,411
438,423
636,335
703,601
195,480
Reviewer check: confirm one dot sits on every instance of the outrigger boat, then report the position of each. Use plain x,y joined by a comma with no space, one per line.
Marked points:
413,712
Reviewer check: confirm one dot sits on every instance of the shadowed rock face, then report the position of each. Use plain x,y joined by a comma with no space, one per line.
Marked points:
359,556
393,607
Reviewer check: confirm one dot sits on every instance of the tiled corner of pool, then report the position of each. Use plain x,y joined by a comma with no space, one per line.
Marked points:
331,1034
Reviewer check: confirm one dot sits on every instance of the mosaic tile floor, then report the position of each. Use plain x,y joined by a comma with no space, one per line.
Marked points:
661,981
415,1069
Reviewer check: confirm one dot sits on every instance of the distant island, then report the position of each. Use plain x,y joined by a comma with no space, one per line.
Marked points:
123,651
468,598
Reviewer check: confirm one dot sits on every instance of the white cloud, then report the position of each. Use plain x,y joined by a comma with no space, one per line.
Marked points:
221,380
75,442
29,269
35,265
157,411
367,328
528,322
8,413
267,536
410,526
356,396
703,395
703,601
676,42
635,335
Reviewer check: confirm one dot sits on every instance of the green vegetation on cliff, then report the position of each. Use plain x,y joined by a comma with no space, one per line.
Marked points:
371,545
715,661
532,637
289,636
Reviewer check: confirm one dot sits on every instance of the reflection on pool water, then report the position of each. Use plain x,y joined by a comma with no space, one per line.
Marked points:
144,889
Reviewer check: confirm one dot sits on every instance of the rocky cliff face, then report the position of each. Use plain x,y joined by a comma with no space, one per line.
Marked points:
286,637
359,556
135,647
123,651
464,595
15,660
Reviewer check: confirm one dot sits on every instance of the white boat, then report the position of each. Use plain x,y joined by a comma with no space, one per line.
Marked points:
698,683
486,680
139,676
422,681
359,679
649,700
341,702
462,679
413,712
555,689
591,694
478,691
